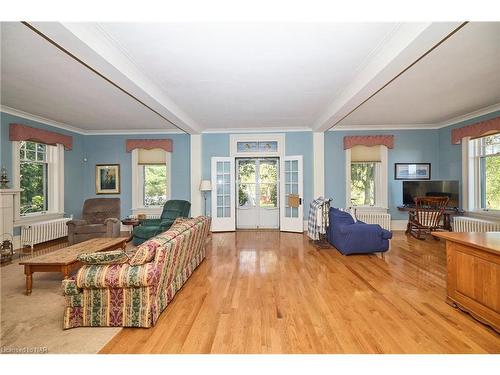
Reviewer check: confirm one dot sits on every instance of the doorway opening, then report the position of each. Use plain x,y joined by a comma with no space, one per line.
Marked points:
257,193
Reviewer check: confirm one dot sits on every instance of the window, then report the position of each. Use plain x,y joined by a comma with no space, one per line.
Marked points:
251,145
363,184
257,176
366,172
38,169
150,180
263,146
33,176
488,156
223,187
155,185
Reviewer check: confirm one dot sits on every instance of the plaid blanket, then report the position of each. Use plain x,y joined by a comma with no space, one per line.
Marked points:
316,224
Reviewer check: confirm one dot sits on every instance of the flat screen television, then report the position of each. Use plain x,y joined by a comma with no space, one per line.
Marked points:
412,189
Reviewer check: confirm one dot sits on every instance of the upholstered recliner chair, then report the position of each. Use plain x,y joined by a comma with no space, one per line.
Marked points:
100,218
152,227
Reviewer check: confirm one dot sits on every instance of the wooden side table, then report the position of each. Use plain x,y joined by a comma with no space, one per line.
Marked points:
133,223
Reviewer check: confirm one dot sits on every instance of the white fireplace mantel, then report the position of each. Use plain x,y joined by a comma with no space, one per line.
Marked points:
10,191
7,210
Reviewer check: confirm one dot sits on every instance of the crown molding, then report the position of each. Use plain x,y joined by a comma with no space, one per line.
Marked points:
29,116
255,130
470,115
74,129
437,125
366,127
133,132
346,127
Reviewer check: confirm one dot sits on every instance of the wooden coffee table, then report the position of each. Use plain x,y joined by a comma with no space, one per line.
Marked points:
64,260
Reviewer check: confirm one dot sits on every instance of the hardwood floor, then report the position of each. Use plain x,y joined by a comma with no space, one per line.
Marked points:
272,292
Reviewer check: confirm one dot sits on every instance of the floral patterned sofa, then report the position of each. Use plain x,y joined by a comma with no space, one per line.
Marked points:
131,291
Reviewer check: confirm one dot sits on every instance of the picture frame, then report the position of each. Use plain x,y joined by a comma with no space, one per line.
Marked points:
412,171
107,179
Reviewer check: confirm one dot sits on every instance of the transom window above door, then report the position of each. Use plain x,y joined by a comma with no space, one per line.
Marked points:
265,146
257,145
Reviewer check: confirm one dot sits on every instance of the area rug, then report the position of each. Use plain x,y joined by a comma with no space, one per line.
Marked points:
33,324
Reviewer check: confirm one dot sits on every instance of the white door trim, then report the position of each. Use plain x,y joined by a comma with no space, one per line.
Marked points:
292,224
223,224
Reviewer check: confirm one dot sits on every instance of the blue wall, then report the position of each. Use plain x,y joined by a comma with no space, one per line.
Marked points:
431,146
450,154
73,176
420,146
79,176
296,143
110,149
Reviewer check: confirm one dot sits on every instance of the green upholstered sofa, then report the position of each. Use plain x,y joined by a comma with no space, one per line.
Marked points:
152,227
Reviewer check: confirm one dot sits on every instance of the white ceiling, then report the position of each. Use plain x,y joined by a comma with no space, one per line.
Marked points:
460,76
217,76
38,78
250,75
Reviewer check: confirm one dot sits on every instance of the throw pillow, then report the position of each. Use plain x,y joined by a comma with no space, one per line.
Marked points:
145,252
351,212
105,257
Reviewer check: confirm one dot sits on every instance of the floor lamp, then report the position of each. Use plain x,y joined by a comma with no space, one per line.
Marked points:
205,187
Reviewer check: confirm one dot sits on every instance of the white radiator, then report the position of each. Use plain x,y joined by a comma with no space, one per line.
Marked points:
381,218
148,216
471,224
36,233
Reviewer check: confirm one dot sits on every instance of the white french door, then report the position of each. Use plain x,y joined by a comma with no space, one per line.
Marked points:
257,193
223,192
292,218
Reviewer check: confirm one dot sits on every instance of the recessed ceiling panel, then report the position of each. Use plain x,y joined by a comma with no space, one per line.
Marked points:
38,78
250,75
460,76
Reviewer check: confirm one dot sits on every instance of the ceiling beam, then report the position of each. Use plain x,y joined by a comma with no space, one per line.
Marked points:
89,44
408,43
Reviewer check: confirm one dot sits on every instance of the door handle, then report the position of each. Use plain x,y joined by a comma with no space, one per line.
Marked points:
300,201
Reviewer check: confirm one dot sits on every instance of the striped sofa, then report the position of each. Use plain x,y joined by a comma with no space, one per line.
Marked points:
134,291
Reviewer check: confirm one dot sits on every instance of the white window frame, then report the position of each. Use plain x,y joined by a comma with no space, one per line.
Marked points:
471,180
138,187
55,185
381,182
235,138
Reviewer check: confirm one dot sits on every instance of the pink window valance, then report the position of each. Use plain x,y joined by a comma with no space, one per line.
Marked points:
368,140
148,144
475,130
20,132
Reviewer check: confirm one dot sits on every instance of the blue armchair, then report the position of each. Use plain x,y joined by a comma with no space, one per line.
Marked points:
351,237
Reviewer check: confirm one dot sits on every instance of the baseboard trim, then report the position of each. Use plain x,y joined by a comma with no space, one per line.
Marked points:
17,242
399,224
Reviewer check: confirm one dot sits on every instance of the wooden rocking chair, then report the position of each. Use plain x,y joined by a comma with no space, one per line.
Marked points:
427,216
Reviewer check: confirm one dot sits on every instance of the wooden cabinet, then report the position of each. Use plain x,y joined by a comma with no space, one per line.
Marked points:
473,274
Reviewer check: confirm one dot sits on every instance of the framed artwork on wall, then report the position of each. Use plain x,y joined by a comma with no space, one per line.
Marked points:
412,171
107,179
